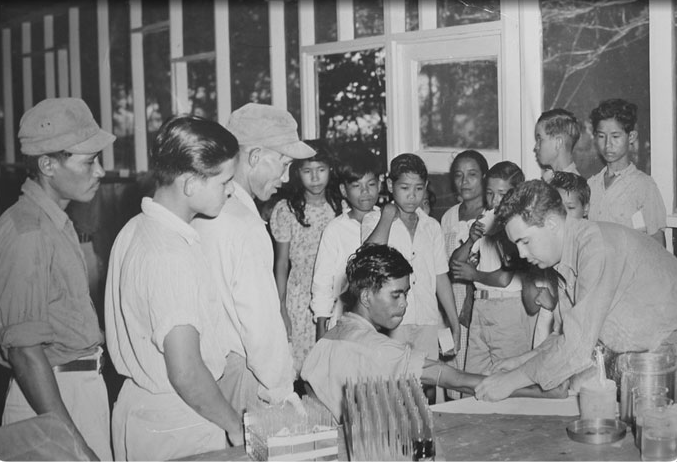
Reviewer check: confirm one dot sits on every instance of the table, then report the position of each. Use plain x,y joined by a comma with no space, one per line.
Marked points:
513,429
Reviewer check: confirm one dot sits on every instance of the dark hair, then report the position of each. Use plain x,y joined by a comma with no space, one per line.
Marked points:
508,171
296,193
355,163
623,111
532,201
571,182
468,154
31,162
370,267
190,144
561,122
407,163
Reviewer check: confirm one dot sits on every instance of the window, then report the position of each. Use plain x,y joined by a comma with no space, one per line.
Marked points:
592,52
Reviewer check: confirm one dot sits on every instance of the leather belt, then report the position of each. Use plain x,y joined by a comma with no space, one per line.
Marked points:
484,294
82,365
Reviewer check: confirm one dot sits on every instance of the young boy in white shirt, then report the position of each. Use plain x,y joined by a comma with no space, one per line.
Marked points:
359,183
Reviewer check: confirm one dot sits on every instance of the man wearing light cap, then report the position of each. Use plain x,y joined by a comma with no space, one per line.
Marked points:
240,253
49,332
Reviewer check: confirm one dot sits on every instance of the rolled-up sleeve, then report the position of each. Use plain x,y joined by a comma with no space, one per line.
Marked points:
171,296
561,356
24,285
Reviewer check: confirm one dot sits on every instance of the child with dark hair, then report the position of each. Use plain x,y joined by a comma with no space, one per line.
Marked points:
419,238
164,326
296,224
575,193
557,132
500,327
376,301
358,178
620,193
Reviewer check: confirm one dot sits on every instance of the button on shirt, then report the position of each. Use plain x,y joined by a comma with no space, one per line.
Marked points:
44,294
352,349
240,255
340,239
158,278
427,256
632,192
618,286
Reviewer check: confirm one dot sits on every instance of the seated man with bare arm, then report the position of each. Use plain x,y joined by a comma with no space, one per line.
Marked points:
378,283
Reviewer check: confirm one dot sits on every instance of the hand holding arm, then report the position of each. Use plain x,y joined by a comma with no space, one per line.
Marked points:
381,233
462,253
501,385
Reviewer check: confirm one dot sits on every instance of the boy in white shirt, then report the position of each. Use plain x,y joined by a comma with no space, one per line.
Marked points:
359,183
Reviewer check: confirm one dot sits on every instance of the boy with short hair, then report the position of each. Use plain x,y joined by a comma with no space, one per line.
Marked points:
405,226
575,193
359,184
620,193
556,133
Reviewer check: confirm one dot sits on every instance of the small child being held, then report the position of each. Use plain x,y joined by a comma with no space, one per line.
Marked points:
358,177
500,327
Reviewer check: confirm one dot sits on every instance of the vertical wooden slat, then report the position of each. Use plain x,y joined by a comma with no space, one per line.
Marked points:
105,90
221,31
278,54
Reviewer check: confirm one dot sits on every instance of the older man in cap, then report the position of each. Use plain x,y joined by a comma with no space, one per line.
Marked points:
240,253
49,333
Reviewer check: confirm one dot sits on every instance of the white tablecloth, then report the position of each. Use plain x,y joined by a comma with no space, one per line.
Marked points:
522,406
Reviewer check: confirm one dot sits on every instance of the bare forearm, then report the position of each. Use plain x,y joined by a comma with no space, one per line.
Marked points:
497,278
381,233
36,379
197,388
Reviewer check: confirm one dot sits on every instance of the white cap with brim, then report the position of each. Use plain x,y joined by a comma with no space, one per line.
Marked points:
61,124
270,127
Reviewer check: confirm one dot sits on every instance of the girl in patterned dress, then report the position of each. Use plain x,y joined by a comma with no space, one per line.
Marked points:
467,171
296,223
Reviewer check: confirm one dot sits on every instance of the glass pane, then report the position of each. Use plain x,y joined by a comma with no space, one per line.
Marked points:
411,11
351,91
202,88
153,11
158,81
17,81
198,26
593,51
368,17
38,60
459,12
458,104
61,30
249,52
291,23
121,82
89,59
325,21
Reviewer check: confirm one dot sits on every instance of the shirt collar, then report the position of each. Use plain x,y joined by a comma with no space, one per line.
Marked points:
245,198
34,192
629,169
356,318
567,263
157,212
